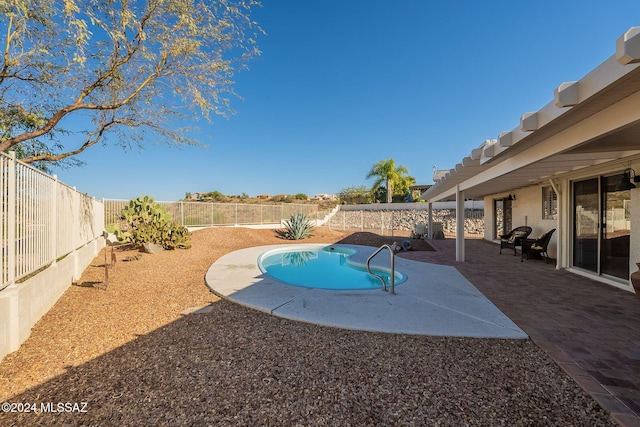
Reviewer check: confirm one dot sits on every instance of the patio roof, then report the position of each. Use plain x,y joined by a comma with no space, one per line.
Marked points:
423,187
590,122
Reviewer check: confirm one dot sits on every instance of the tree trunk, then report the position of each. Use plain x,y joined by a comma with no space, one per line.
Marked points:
388,191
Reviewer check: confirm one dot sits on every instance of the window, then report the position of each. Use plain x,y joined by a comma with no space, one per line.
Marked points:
549,203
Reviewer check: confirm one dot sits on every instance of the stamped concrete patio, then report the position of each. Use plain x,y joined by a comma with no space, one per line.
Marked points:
592,330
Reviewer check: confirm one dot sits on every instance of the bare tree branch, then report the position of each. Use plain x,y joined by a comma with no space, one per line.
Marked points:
92,139
61,59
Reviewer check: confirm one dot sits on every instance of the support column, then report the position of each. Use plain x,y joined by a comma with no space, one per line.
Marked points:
459,225
430,221
561,229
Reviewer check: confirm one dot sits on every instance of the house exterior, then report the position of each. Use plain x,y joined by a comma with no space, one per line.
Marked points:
571,166
324,197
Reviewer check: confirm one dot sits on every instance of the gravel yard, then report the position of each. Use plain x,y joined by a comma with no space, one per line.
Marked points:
138,354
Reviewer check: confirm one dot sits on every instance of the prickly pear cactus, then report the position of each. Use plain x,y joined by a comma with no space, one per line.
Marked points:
146,221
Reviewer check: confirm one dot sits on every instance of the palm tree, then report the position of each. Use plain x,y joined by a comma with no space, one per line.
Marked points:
386,171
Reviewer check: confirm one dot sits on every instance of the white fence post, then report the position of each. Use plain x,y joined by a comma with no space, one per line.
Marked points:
53,226
75,217
11,219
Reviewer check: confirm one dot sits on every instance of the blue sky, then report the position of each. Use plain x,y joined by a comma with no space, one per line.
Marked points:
342,84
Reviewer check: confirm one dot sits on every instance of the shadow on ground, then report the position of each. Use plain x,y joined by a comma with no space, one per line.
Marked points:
236,366
371,239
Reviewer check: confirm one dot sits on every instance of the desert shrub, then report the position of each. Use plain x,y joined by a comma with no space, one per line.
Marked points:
143,220
298,227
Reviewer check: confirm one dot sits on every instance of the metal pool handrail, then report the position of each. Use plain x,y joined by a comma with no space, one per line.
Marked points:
393,272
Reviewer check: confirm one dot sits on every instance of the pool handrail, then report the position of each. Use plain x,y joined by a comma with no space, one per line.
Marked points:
393,272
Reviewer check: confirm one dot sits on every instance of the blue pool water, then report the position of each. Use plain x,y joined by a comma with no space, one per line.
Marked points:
322,268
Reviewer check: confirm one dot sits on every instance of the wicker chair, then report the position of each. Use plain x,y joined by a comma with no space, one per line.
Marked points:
538,246
514,238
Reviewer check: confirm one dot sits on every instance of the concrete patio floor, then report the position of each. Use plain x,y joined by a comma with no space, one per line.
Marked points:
444,305
591,329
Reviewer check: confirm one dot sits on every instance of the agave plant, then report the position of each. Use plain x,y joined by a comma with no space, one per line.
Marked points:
298,227
299,259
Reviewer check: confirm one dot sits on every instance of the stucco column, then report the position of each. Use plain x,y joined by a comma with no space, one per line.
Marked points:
430,221
459,225
634,249
561,229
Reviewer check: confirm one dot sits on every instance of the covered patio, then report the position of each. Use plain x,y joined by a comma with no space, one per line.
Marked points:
590,329
581,311
587,135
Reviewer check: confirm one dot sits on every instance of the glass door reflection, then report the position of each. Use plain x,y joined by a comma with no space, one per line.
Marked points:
586,224
616,231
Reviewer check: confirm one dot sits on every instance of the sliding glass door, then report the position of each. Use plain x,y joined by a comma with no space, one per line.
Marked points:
601,226
502,216
616,233
586,224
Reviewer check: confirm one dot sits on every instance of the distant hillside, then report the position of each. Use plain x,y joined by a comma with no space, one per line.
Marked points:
217,197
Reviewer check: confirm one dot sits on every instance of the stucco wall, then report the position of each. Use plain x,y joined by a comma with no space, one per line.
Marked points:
635,230
526,210
23,304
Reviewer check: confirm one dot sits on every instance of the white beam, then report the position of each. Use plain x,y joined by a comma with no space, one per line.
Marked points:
628,47
505,139
470,161
529,122
608,120
566,95
459,225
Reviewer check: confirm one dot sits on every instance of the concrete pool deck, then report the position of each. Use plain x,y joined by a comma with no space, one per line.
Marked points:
434,300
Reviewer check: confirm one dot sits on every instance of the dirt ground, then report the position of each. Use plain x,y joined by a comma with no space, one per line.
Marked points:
139,353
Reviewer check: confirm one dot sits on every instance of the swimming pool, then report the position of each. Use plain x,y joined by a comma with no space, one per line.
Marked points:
327,267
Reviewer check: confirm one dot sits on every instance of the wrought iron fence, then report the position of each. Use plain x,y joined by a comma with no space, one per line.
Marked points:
41,219
204,214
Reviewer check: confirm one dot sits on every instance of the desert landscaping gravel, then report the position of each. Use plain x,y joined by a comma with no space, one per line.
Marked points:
157,348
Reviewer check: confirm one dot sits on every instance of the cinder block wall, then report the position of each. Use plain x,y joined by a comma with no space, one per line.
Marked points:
23,304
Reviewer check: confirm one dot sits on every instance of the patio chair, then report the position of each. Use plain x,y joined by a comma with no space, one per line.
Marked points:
514,238
419,231
538,246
